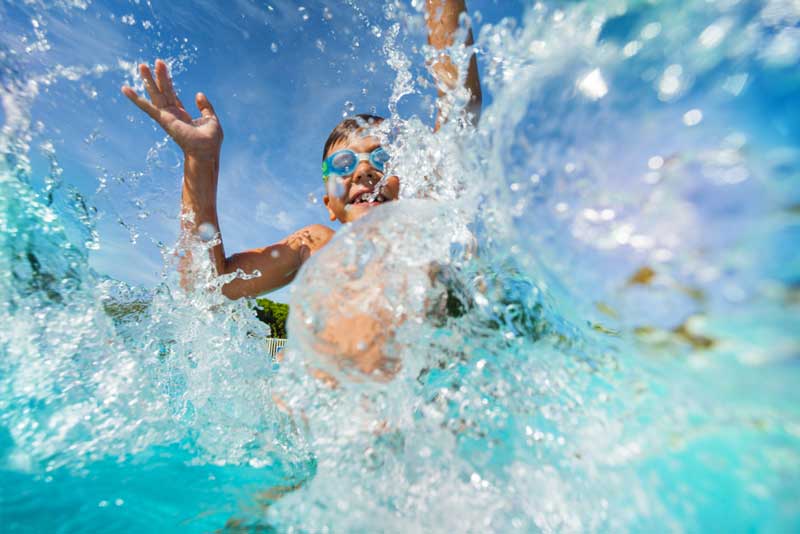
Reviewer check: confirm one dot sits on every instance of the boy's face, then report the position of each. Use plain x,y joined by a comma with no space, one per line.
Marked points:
352,204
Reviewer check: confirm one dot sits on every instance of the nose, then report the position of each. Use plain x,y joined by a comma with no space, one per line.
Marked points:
366,174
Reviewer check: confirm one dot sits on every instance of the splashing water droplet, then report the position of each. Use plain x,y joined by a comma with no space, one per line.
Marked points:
274,47
593,85
692,117
655,163
206,231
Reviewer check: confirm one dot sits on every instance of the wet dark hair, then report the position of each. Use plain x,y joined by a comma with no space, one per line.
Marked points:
347,127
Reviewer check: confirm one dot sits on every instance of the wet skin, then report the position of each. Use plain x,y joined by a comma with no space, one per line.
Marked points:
348,206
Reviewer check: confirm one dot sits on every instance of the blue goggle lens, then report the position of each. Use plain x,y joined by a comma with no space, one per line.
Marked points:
344,161
378,158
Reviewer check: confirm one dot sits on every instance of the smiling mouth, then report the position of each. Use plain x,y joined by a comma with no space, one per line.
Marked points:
368,197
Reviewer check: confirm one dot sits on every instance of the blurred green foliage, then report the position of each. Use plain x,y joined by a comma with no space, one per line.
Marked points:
274,314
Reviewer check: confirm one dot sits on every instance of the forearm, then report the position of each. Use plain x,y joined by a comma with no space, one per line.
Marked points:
282,263
276,264
199,199
443,23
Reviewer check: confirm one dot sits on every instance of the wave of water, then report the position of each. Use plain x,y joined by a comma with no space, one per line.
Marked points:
595,309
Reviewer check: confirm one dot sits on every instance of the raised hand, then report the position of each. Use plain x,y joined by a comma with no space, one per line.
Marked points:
199,138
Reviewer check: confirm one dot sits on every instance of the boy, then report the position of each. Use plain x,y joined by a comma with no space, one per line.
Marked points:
358,160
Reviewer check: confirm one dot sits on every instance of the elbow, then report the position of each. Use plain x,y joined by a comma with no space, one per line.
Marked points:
230,291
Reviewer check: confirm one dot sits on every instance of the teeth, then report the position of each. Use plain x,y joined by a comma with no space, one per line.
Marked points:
368,197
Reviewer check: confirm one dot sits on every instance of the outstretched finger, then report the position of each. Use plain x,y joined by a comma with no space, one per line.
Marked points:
156,97
205,107
165,83
143,104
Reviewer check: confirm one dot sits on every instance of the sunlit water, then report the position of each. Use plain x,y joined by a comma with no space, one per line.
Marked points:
596,302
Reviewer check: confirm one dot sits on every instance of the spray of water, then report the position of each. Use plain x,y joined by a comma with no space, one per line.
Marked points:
583,306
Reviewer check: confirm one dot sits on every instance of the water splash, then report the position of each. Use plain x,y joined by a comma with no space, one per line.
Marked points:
590,306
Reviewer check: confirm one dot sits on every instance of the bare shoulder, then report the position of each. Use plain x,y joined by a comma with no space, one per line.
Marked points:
315,236
318,233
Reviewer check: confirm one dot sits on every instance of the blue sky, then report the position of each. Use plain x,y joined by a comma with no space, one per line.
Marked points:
279,73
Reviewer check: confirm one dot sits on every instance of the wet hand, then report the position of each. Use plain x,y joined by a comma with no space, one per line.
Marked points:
201,137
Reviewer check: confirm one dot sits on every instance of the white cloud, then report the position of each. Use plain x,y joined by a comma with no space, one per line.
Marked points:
281,220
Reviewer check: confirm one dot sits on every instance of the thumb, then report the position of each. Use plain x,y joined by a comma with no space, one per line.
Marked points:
305,253
205,107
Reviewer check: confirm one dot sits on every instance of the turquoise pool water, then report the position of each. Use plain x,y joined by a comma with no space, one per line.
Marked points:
596,304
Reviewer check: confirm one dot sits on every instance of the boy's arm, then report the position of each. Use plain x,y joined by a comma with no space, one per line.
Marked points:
201,141
442,20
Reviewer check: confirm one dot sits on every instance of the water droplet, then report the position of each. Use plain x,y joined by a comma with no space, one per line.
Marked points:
734,84
655,163
671,82
312,198
326,14
632,48
376,31
692,117
651,31
713,35
593,85
335,187
206,231
356,42
273,47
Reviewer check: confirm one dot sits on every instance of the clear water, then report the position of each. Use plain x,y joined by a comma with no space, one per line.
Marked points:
620,235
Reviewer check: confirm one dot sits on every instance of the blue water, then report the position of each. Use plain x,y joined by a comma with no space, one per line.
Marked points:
609,342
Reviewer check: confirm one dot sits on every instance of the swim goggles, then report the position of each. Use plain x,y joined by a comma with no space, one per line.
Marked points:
344,162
